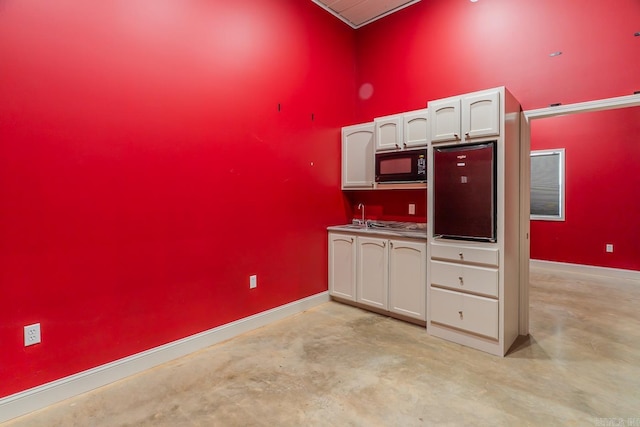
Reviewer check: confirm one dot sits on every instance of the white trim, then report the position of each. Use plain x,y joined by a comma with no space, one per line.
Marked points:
39,397
525,226
584,107
617,273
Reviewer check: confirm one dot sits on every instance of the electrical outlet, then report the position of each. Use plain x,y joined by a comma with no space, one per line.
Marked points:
609,247
412,209
32,334
253,281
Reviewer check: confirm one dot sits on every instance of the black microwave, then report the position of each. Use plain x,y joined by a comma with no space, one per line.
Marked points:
402,166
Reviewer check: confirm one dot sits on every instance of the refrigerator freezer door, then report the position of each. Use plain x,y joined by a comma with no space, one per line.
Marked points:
464,192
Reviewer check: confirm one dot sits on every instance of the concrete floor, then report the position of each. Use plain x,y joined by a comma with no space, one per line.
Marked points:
339,365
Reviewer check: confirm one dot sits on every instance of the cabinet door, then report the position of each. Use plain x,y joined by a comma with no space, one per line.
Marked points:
372,275
457,253
358,167
445,120
465,278
342,266
408,278
416,129
388,133
481,115
470,313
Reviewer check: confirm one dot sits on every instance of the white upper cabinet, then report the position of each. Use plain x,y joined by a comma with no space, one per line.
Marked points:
463,118
416,128
481,115
445,120
358,168
402,131
388,132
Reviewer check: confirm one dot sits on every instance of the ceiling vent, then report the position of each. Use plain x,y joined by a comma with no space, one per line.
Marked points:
357,13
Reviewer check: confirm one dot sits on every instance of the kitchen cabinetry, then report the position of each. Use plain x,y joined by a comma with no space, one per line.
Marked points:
342,266
464,288
388,132
481,115
372,272
473,293
466,117
390,274
408,278
402,131
416,128
358,168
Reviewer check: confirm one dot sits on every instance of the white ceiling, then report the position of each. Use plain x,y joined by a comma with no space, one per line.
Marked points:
357,13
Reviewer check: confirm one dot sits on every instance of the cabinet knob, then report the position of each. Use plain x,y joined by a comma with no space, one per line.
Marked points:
456,136
397,146
461,255
404,145
384,244
390,244
352,240
466,134
461,316
461,281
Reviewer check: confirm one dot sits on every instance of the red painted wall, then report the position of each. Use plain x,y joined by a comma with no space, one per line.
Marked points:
602,151
145,171
439,48
388,205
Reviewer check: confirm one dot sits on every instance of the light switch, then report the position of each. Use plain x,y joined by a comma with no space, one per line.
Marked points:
412,209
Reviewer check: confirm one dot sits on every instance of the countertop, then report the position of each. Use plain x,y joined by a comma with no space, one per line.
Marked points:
410,230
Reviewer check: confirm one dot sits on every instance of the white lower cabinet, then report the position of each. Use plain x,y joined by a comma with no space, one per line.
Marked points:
464,295
465,278
471,313
372,276
390,274
342,266
408,278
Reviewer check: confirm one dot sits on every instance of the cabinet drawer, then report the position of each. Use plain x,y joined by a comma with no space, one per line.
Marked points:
465,278
488,256
466,312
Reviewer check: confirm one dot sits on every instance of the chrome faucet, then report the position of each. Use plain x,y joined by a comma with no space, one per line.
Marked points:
361,207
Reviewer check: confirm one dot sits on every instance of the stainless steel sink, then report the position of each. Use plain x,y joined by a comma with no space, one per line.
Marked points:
355,226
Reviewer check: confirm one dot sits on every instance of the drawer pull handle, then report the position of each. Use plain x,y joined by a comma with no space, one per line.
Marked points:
460,313
461,280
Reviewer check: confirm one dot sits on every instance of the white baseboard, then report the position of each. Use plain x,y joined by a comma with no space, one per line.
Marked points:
586,269
42,396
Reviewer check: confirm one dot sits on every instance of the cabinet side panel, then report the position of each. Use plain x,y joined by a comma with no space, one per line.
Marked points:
512,221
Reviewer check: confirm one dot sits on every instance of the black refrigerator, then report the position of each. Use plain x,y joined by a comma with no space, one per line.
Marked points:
464,192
